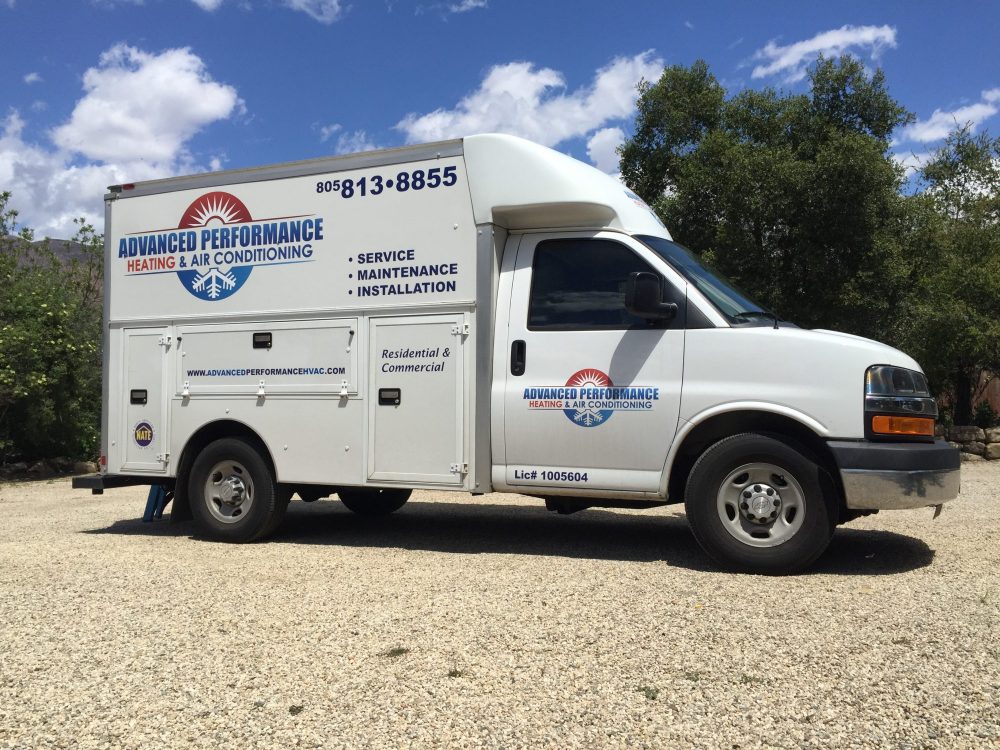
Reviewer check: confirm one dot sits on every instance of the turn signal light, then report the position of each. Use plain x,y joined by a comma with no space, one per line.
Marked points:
903,426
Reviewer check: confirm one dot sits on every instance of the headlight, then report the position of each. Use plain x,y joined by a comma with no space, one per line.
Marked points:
898,402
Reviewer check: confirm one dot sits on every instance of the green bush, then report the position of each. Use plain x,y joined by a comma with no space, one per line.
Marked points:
50,333
985,415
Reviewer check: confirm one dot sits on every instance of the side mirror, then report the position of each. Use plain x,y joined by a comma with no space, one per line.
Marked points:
644,297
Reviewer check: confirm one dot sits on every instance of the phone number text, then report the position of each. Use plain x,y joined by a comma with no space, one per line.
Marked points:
402,182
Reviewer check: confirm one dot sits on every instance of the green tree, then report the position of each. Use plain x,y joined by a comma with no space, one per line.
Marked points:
954,320
793,196
50,331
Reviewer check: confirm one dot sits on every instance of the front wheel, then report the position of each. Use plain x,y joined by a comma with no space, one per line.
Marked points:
374,502
755,503
233,494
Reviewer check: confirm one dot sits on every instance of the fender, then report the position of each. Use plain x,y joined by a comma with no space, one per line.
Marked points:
685,427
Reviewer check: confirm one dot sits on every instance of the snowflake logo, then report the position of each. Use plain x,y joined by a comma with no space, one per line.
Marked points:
215,283
588,417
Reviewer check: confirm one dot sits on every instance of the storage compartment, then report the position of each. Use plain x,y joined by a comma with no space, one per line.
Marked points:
417,412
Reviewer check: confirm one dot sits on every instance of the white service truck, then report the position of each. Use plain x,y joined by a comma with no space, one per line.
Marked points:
481,315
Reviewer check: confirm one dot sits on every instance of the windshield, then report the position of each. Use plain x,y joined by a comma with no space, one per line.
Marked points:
733,304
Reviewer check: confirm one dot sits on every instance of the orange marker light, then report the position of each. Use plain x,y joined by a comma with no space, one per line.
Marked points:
903,426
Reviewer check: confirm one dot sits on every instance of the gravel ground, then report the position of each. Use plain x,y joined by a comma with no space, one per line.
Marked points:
490,623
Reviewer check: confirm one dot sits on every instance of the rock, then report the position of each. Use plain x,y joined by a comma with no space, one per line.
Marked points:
14,469
992,451
967,434
84,467
61,464
955,445
976,448
40,470
968,458
940,430
993,435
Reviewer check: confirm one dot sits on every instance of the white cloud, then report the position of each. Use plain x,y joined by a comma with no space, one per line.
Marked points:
347,143
519,99
466,5
941,123
790,61
912,162
324,11
688,25
143,106
132,123
352,143
326,131
601,149
51,191
32,78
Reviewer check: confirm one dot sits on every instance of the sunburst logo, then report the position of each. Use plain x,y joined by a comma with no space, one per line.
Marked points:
224,207
218,282
588,416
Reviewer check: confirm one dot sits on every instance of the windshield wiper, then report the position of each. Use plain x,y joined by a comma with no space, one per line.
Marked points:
761,313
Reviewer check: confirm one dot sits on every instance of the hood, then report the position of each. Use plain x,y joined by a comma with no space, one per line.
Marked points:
890,355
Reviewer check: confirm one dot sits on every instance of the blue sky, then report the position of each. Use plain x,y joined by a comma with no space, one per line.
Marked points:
94,92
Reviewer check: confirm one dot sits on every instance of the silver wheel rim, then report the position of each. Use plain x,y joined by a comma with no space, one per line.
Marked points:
761,504
229,491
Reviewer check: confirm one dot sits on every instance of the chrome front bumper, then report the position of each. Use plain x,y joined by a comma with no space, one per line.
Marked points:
897,476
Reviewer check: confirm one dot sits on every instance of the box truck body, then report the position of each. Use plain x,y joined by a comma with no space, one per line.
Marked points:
481,315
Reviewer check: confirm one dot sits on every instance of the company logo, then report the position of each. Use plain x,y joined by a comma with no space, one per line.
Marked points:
589,398
215,283
218,243
143,434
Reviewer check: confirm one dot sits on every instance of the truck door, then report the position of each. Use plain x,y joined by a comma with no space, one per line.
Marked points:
592,393
145,429
418,396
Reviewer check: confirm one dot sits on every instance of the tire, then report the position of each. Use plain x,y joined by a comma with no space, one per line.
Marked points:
374,502
233,493
756,504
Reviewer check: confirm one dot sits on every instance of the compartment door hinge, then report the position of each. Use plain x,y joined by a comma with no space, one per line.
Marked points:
460,468
165,342
462,329
164,458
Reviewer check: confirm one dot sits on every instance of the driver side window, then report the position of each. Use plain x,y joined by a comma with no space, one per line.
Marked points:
579,284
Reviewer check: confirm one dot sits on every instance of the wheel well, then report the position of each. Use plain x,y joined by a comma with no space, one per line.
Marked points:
206,434
720,426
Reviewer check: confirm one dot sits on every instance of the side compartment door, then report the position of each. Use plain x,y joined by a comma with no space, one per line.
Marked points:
592,393
144,393
417,400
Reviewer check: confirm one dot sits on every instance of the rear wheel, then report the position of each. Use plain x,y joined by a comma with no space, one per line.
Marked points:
233,494
374,502
756,503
